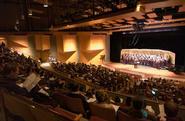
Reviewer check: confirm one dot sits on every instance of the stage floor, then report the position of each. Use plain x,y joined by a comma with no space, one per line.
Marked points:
144,71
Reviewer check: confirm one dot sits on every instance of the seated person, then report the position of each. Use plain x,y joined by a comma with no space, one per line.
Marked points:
90,95
137,110
76,93
31,80
102,99
10,77
126,106
171,110
34,90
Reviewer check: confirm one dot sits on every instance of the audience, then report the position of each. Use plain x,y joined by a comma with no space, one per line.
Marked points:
124,83
14,66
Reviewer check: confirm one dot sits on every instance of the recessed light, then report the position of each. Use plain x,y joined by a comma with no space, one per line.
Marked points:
45,5
30,13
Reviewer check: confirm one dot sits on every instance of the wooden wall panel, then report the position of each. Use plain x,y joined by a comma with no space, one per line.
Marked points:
20,44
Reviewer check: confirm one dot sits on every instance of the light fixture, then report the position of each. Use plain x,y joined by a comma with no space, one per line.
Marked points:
140,7
17,21
22,17
30,12
45,5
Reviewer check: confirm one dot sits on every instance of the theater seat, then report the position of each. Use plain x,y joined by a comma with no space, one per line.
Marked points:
125,117
95,118
22,109
107,114
60,98
74,105
66,114
16,109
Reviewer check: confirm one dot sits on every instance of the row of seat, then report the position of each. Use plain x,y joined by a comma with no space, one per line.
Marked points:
18,108
97,112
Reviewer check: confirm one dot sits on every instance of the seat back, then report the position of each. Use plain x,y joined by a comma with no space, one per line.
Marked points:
125,117
72,104
60,98
24,109
75,105
102,112
16,109
95,118
46,115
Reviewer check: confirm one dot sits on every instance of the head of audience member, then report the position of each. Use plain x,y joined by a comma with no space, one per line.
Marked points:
89,93
170,109
11,70
75,87
138,103
128,101
117,99
102,96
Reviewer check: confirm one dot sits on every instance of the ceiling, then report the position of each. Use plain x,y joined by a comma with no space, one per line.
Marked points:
90,15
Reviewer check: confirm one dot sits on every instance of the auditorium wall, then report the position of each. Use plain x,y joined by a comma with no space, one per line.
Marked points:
66,47
42,43
37,45
20,44
86,47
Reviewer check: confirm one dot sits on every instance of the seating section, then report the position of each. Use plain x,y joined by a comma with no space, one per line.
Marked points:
17,108
72,107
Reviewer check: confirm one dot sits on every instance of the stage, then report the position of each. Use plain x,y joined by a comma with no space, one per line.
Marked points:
144,71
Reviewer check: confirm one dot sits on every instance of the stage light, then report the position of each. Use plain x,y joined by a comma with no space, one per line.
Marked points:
140,7
30,12
17,21
45,5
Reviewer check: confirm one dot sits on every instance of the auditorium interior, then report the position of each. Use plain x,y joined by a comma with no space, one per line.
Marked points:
92,60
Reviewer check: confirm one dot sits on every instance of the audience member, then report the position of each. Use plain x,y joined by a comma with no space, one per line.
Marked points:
171,111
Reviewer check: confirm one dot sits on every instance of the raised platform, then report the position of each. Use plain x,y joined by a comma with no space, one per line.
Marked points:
144,71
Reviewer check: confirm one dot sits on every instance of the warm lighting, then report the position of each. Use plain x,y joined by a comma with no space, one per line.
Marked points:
97,42
45,65
45,5
140,7
30,12
2,38
69,43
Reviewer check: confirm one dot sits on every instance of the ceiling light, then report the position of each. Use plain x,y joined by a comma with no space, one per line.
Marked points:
17,21
22,17
30,12
45,5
